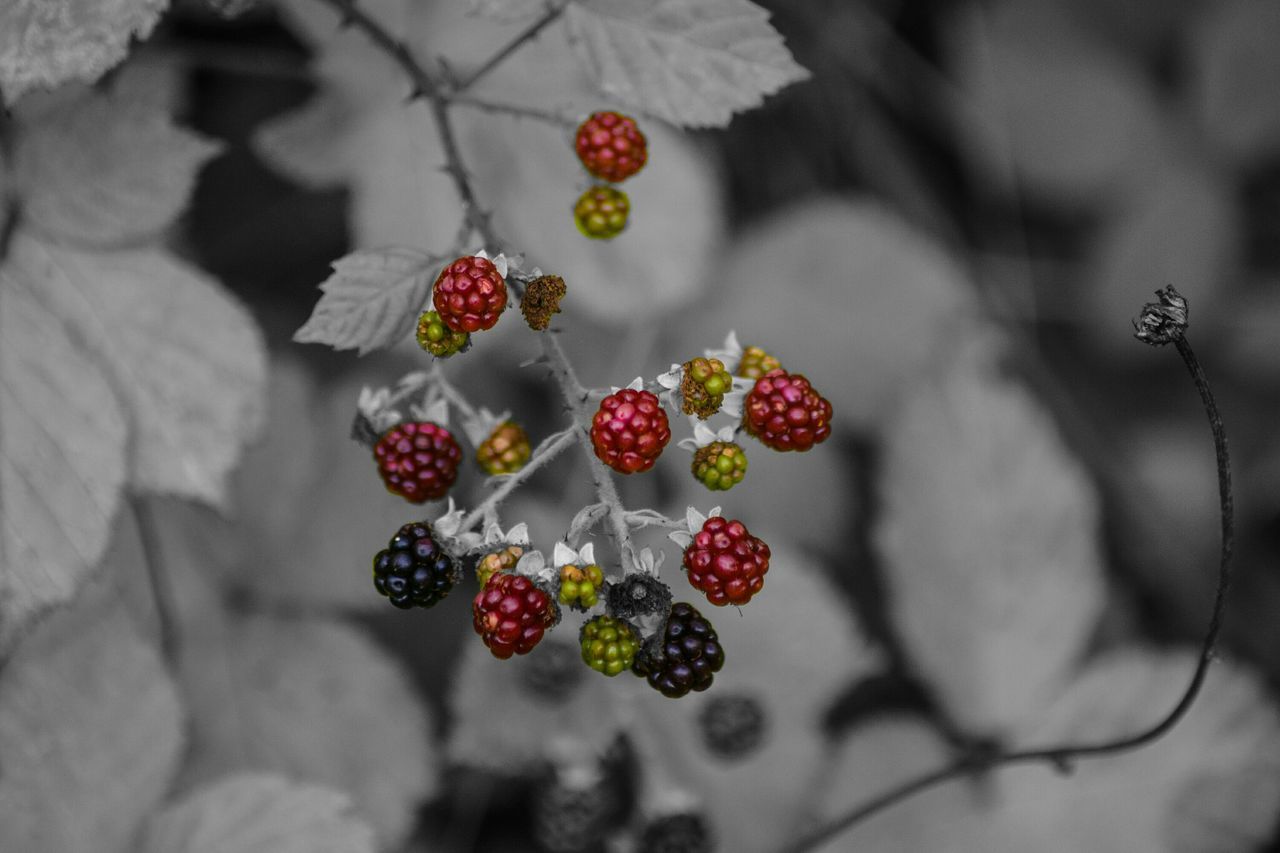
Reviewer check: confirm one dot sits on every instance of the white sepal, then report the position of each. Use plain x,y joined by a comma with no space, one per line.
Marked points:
693,520
412,381
730,352
704,435
374,406
434,410
563,555
480,427
534,565
636,384
587,554
733,400
499,261
670,382
648,563
448,524
519,535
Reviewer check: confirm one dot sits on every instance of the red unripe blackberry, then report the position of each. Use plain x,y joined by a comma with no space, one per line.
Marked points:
629,431
726,562
785,412
684,656
414,570
418,460
611,146
601,212
470,294
511,614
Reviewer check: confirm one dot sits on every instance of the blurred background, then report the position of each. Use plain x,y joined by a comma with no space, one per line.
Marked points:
948,228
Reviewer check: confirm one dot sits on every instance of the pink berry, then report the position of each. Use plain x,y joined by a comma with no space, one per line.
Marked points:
785,412
418,460
629,431
726,562
470,295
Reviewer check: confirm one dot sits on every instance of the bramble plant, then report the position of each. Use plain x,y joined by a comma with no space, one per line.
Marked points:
127,375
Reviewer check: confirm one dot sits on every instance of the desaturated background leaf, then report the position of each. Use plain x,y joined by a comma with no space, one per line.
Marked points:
90,732
44,44
1047,109
989,534
123,365
754,801
1209,785
317,701
256,813
693,63
873,295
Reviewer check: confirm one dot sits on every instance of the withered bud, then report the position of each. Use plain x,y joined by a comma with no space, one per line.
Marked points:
542,297
1162,322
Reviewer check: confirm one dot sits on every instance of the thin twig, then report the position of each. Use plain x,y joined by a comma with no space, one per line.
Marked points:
554,11
452,394
1061,757
544,453
161,585
550,117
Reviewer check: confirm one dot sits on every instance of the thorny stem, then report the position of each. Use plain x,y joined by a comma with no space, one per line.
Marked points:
544,453
162,592
426,86
517,110
1061,757
554,11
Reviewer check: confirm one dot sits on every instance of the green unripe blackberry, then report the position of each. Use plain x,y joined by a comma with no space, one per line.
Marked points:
703,386
580,586
608,645
437,338
756,363
720,465
601,212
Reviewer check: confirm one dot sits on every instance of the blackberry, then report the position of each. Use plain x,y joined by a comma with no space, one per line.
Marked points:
683,657
676,833
733,726
414,570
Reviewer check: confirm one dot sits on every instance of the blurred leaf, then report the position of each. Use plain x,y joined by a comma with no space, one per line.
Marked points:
1210,786
43,45
990,539
503,724
62,455
845,292
1235,73
693,63
259,813
315,700
1182,226
309,144
100,170
186,359
1046,105
372,299
754,802
90,733
657,265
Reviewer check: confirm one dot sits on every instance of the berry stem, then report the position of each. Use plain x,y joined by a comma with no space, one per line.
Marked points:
163,596
546,451
550,16
1061,757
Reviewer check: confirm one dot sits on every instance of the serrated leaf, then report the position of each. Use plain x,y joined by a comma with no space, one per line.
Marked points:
372,299
90,734
44,43
1210,786
103,170
315,700
185,358
754,802
693,63
62,456
259,813
990,539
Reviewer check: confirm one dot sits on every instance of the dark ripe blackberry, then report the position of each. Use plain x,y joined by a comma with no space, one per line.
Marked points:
683,657
636,596
676,833
733,726
552,671
414,570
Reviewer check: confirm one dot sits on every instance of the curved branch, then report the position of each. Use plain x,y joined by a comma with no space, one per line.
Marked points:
1062,756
